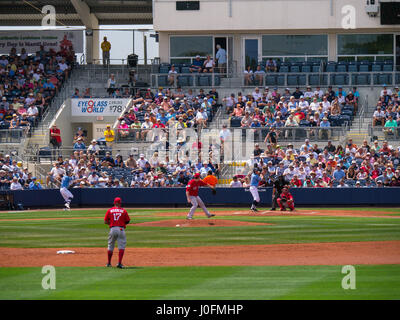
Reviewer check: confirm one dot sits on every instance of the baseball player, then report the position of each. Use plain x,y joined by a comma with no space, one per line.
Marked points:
285,200
277,190
117,218
192,195
66,181
254,182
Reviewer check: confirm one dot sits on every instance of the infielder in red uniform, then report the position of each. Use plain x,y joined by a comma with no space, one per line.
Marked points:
192,195
285,200
117,218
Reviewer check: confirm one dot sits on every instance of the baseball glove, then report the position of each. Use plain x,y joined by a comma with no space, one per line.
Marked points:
214,192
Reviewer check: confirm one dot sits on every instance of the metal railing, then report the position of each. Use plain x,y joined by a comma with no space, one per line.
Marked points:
13,135
361,110
389,134
277,79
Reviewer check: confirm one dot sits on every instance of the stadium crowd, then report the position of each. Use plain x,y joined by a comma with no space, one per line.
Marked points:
330,166
28,83
309,109
387,112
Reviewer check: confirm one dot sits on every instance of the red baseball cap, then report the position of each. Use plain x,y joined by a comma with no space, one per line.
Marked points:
197,175
117,200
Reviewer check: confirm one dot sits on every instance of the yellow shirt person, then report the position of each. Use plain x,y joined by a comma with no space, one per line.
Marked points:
109,136
106,47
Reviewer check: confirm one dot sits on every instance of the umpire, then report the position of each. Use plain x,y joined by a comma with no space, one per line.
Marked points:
279,184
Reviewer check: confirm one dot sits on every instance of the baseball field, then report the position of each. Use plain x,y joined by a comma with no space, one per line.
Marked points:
236,255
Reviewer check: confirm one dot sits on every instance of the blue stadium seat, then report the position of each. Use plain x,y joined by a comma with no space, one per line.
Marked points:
280,80
284,68
316,68
162,81
306,68
353,68
217,80
295,68
397,78
341,68
164,69
387,67
340,79
270,80
185,69
316,79
364,68
235,122
302,80
331,67
204,81
376,67
292,80
183,81
362,79
383,78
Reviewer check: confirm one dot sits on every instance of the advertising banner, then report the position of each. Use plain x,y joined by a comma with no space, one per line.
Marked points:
98,107
31,40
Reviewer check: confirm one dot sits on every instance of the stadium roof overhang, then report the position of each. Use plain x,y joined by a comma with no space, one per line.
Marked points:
76,12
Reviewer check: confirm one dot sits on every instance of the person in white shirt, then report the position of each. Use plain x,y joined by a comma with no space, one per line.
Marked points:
314,105
15,185
303,104
378,117
388,91
256,94
172,75
325,104
235,183
55,174
319,92
94,147
141,162
201,117
63,66
93,178
208,65
146,127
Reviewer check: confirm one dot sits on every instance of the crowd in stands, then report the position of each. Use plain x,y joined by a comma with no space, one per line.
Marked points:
375,165
28,83
387,112
91,170
275,109
13,176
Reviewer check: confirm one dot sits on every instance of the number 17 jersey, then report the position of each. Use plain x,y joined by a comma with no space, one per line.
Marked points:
117,217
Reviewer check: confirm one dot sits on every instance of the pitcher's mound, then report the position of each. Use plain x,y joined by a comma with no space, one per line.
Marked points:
179,223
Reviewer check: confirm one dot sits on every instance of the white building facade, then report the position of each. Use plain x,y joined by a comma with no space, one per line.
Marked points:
286,30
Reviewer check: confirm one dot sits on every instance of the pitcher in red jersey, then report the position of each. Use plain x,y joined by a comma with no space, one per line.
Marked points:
192,195
117,218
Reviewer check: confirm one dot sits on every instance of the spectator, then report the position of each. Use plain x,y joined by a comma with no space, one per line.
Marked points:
15,184
390,127
378,117
271,65
106,47
79,145
109,136
221,59
235,183
111,84
259,75
324,129
197,65
248,76
208,65
172,76
35,185
93,148
55,138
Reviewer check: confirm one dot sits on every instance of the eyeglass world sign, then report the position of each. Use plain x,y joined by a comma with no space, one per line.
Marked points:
98,107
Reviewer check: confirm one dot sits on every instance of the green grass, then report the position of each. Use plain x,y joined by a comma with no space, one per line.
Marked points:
195,283
90,231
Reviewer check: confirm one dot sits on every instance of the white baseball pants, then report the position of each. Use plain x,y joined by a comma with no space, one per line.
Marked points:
254,193
66,194
196,201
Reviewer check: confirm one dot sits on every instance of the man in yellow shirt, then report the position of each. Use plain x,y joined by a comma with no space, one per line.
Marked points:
106,47
109,136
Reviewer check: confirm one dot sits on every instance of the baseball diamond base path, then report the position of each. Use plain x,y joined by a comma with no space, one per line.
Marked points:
338,253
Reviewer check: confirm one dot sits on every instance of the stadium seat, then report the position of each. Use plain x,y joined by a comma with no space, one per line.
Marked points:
284,69
294,68
164,69
397,78
364,68
376,68
340,79
331,67
185,70
270,80
280,80
306,68
316,68
183,81
353,68
387,67
362,79
235,122
341,68
292,80
162,81
302,80
204,81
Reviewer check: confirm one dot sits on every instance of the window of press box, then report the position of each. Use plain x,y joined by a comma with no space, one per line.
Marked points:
190,46
363,44
294,45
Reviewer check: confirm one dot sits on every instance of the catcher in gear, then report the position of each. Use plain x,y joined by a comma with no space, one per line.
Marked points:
285,200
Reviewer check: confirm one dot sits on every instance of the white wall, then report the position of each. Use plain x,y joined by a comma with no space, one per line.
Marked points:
261,15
